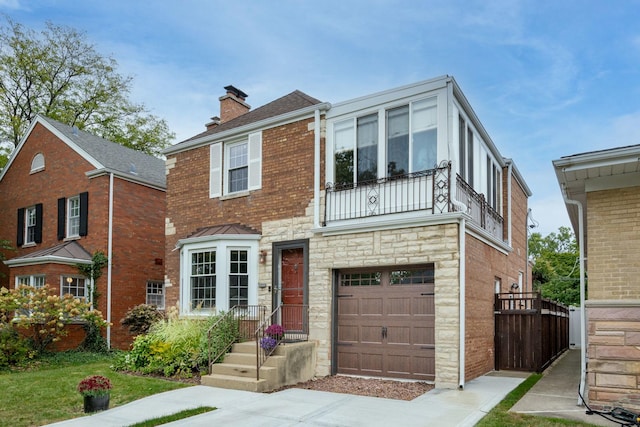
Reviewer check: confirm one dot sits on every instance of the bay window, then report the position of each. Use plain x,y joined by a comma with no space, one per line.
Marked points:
203,280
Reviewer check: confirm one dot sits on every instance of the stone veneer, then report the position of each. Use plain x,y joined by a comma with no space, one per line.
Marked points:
402,246
614,353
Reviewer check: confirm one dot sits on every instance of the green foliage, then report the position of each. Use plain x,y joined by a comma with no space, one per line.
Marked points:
94,271
556,272
14,350
140,318
176,347
58,73
49,384
93,341
43,314
187,413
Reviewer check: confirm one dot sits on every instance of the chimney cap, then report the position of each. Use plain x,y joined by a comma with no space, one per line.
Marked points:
235,91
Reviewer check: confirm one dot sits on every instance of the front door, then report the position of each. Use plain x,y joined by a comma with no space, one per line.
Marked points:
292,288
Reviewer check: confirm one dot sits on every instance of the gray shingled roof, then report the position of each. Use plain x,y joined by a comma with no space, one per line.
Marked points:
296,100
114,156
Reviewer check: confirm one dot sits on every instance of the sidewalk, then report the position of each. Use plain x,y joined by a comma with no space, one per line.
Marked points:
297,407
556,394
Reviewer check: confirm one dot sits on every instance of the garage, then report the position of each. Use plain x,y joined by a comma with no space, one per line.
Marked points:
385,322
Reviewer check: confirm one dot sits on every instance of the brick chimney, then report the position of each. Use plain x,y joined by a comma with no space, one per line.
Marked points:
215,121
232,104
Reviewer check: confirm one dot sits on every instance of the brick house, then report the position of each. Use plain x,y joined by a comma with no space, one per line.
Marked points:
66,194
602,197
393,217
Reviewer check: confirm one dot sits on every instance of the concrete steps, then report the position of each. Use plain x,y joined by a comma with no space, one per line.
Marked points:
290,363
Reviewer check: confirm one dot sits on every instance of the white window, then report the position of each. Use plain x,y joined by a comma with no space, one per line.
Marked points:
76,286
37,164
235,166
73,217
36,281
155,294
238,277
218,274
203,280
30,225
411,143
494,186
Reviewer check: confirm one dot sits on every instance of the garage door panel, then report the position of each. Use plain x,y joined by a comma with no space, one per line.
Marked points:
398,306
371,334
349,334
423,306
371,363
399,335
422,335
371,306
348,360
348,307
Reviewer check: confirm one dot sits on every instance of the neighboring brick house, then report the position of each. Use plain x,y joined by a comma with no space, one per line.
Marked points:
602,193
66,194
355,210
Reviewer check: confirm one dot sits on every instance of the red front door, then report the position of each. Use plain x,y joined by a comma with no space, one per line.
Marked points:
292,286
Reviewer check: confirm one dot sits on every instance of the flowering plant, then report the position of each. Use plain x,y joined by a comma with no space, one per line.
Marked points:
94,385
268,343
275,331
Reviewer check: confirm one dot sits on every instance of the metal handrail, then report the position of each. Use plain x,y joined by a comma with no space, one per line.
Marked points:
239,319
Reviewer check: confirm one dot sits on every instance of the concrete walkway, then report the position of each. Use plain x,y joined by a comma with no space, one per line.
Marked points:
296,407
556,394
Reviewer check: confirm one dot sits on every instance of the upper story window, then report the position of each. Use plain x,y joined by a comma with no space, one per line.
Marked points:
73,216
236,166
494,178
37,164
466,151
29,225
410,143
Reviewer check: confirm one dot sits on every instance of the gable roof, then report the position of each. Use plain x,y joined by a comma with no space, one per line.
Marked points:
104,155
67,253
293,102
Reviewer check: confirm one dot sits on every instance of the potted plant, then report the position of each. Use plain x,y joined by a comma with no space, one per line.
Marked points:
95,390
275,331
268,344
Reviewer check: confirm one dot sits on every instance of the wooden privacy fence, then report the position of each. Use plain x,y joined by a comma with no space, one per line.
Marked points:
531,332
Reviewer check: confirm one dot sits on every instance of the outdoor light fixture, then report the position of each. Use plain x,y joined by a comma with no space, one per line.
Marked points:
514,286
263,257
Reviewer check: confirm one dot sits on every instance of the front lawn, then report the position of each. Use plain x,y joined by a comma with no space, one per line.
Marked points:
45,392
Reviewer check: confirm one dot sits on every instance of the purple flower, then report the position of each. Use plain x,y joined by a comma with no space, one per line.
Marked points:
268,343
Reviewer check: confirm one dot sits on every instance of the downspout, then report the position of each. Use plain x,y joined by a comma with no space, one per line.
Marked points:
583,320
110,257
453,155
316,170
509,172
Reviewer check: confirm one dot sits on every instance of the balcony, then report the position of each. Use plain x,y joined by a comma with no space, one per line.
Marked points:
426,191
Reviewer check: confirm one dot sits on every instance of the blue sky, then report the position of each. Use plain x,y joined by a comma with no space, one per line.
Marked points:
546,78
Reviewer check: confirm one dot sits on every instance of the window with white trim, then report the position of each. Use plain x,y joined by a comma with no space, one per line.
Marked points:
30,225
73,217
35,281
155,294
203,280
235,166
37,163
76,286
410,143
218,274
238,277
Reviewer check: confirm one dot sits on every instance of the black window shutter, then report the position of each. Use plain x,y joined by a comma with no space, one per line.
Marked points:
62,217
38,234
84,213
20,235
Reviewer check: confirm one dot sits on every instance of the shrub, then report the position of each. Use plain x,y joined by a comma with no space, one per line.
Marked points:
140,318
43,314
14,350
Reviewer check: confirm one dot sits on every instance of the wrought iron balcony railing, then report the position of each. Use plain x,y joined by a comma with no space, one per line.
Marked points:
427,191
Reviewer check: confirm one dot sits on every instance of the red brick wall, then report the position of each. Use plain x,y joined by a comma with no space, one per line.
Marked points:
138,222
287,189
484,264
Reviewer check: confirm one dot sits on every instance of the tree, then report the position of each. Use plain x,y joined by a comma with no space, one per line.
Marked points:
59,74
556,272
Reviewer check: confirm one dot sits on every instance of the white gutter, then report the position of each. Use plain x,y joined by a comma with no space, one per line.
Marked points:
110,259
453,154
583,320
316,170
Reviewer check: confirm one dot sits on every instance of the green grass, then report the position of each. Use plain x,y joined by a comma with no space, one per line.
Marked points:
45,391
500,415
174,417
